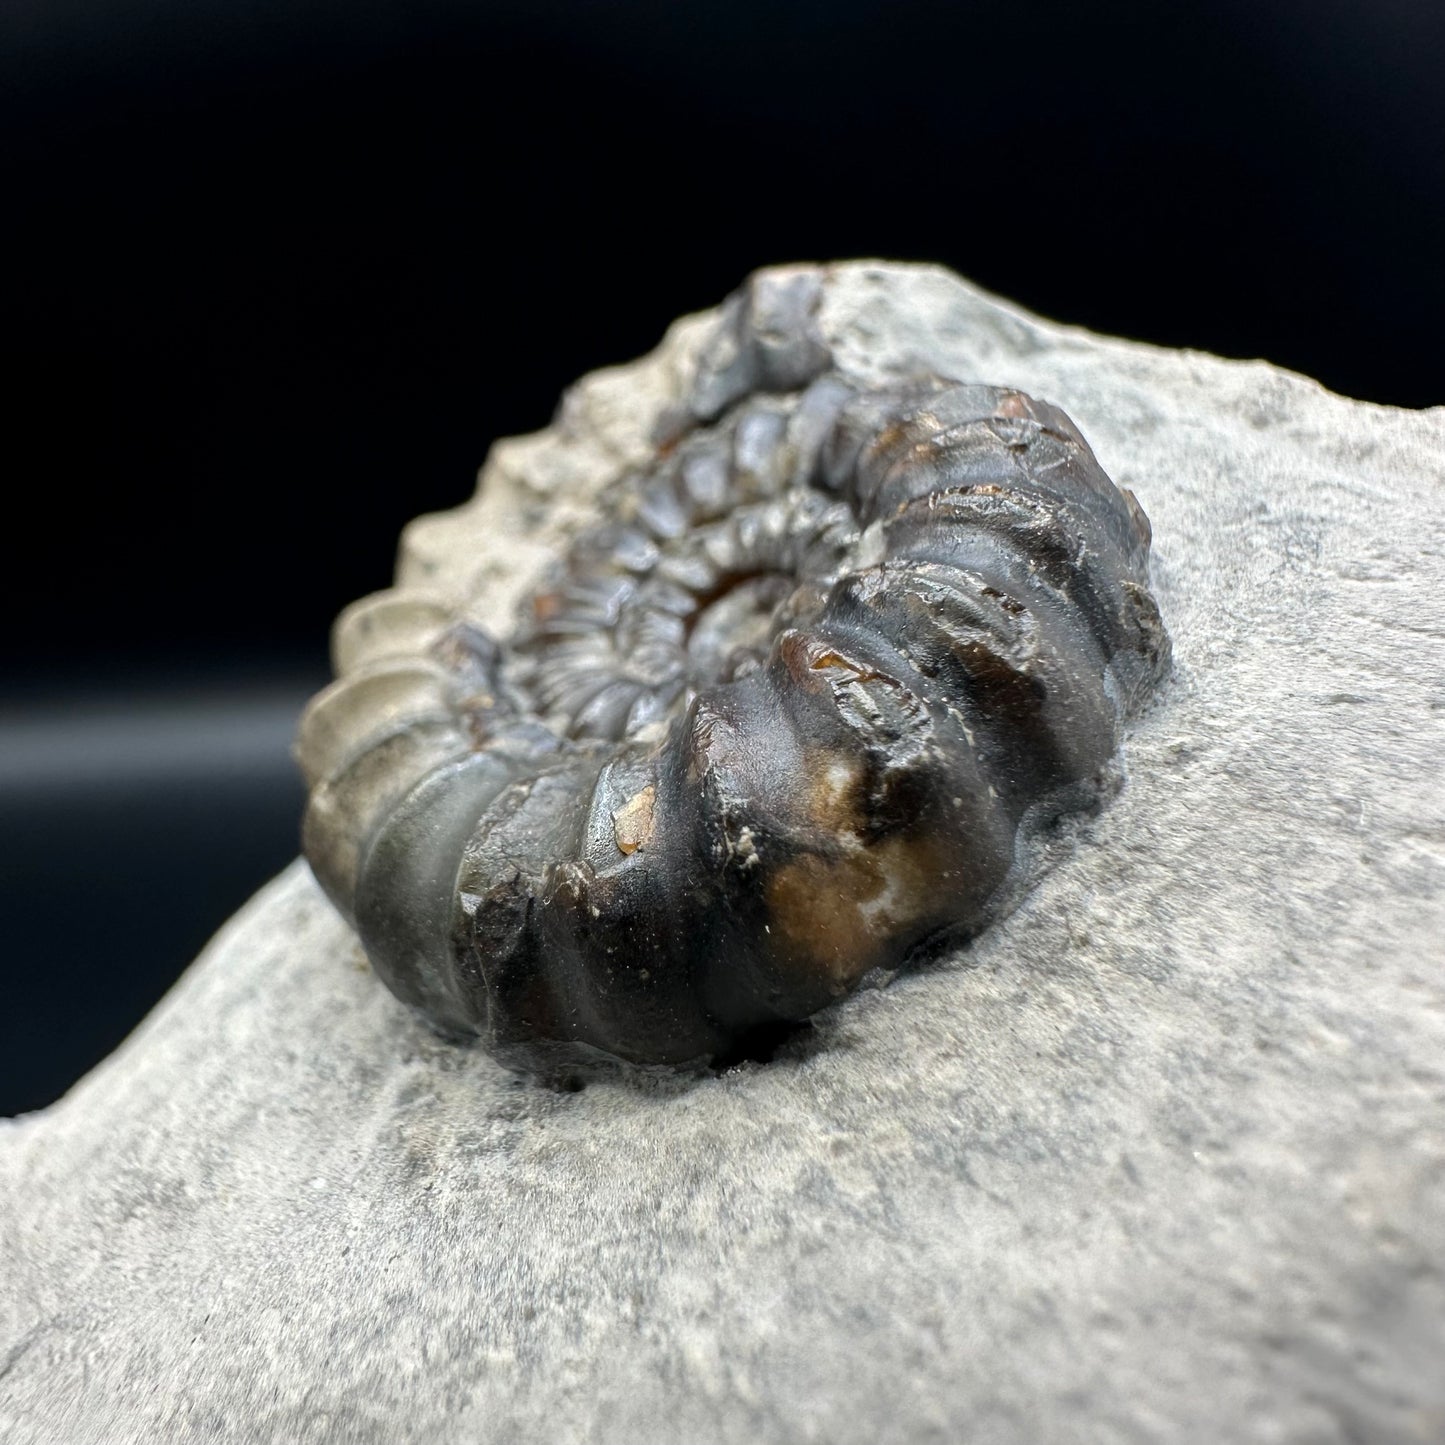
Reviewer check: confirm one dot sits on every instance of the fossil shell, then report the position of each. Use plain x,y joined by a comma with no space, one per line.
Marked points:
787,710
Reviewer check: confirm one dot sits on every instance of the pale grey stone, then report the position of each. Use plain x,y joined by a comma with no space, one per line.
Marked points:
1160,1157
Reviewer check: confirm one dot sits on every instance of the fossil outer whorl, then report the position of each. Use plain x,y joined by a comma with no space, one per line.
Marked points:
794,708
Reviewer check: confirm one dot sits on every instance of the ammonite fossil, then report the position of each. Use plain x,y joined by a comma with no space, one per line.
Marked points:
788,713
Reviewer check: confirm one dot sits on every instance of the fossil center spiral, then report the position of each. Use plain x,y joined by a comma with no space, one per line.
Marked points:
730,543
730,631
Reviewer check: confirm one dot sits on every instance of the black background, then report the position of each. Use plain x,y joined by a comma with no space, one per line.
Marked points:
276,273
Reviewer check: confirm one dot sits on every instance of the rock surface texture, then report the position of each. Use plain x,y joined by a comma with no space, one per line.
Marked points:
1161,1156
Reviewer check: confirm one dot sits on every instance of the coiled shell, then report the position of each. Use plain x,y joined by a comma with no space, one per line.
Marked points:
788,710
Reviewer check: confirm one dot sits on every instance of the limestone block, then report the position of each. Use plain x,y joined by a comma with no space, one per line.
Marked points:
1159,1157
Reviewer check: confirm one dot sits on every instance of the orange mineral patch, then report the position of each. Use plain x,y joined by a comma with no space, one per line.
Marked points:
832,794
829,658
836,917
632,822
804,654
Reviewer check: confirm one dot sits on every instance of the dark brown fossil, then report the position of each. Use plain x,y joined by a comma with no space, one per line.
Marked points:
794,713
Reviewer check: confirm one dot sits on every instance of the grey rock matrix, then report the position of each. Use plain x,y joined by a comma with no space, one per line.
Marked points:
1159,1157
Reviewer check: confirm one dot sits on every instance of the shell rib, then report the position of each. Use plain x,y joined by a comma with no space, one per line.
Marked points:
791,713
